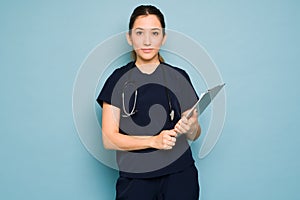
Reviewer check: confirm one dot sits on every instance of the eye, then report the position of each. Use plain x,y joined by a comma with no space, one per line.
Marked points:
155,33
139,33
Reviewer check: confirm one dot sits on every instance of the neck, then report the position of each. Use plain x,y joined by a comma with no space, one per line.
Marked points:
147,67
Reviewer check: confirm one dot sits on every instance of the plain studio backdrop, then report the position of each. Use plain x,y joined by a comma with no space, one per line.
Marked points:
254,44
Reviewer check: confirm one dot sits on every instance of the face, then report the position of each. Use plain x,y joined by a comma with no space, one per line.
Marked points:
146,38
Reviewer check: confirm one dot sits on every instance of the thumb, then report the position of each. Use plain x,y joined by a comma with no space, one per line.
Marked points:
172,133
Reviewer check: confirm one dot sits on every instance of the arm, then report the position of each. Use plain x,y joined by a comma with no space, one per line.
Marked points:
190,127
113,139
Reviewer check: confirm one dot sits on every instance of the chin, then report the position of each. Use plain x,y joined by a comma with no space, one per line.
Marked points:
148,58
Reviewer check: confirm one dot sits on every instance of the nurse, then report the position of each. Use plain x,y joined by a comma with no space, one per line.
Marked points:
143,117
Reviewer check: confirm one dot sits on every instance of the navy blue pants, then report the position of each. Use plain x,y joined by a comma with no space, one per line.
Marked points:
183,185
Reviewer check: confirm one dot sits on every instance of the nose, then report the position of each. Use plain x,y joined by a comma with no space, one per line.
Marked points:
147,40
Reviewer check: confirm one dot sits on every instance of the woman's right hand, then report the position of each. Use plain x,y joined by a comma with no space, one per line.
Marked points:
165,140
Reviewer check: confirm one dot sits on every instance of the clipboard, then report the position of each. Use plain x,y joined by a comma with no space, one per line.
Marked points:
204,100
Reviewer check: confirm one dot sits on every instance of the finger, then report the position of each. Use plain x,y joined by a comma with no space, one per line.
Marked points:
172,133
165,143
173,139
183,120
186,123
185,127
171,143
168,142
167,147
179,129
195,113
167,139
189,122
194,116
167,136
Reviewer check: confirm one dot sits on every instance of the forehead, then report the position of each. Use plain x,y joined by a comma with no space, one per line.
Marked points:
147,21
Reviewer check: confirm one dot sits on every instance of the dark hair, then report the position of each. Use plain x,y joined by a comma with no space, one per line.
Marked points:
146,10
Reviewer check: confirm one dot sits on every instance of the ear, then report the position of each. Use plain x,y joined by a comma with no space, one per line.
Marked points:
128,39
164,39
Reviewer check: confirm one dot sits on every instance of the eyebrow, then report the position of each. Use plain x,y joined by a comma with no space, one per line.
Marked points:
138,28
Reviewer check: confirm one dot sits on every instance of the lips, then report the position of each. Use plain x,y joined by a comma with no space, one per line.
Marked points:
147,50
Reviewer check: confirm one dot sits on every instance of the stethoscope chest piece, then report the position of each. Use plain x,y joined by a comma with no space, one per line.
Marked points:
172,115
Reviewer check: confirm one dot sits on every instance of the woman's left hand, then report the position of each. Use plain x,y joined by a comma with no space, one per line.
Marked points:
190,127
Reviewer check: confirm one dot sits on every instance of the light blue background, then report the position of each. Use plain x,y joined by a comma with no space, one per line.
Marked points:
255,45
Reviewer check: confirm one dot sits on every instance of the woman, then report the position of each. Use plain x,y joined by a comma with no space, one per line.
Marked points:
143,118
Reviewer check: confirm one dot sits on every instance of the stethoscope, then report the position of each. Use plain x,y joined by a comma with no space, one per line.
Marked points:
133,110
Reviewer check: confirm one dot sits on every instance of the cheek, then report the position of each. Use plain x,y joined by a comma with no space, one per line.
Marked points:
157,43
139,42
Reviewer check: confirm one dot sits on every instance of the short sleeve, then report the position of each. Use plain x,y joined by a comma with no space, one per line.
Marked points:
108,89
188,93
